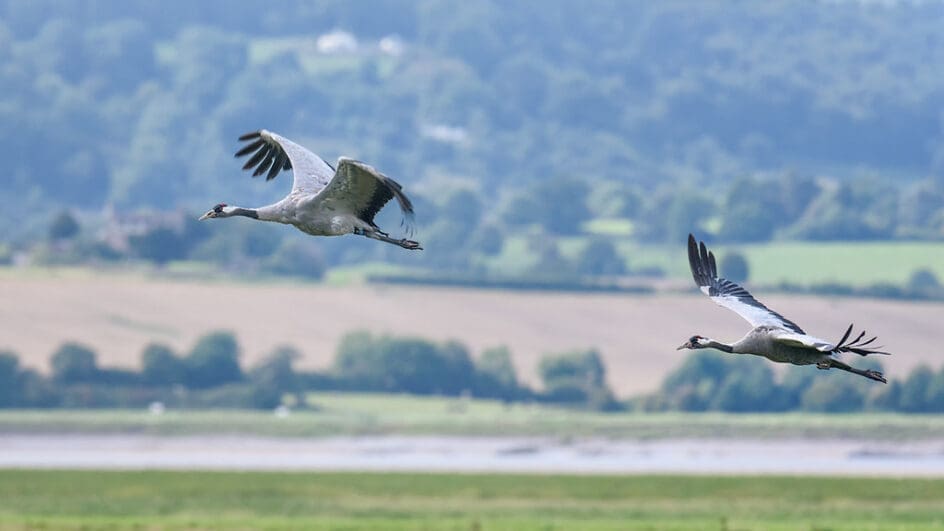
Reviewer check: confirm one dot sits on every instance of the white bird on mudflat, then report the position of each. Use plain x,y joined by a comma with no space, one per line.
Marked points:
323,201
774,336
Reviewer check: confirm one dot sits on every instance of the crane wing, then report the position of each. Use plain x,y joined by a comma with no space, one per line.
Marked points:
794,339
273,153
360,189
728,294
859,344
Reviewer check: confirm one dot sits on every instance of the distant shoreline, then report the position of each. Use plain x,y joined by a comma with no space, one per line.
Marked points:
476,454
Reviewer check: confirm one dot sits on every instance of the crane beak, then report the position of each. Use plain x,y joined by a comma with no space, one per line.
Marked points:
688,344
206,216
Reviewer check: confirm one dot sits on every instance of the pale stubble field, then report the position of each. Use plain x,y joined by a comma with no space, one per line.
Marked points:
117,315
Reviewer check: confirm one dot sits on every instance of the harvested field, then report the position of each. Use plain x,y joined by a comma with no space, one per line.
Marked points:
637,334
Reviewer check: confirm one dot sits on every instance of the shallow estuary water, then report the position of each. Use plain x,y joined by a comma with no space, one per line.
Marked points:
473,454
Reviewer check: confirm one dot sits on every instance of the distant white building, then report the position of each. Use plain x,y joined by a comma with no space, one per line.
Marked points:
336,42
445,133
118,227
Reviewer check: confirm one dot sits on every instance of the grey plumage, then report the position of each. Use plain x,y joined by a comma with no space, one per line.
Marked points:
773,336
323,201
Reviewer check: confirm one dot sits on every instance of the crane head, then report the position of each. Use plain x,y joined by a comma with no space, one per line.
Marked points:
694,342
217,211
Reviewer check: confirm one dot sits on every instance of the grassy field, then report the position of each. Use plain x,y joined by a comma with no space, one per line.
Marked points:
214,500
852,263
117,315
361,414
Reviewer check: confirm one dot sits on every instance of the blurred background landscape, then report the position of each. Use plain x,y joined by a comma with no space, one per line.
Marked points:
557,154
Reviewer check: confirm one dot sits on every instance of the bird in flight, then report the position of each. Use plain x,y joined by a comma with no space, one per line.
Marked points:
324,201
774,336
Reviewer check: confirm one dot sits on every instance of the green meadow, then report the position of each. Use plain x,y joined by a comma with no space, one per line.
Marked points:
388,414
52,499
853,263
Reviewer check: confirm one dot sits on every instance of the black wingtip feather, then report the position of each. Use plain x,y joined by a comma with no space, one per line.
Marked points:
264,165
250,136
693,260
276,166
249,148
263,151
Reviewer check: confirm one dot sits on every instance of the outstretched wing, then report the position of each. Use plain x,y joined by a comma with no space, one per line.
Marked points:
274,153
727,293
360,189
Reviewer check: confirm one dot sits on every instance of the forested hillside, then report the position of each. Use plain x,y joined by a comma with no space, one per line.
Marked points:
748,120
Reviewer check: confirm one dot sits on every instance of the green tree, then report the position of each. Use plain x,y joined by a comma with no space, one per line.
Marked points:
488,240
359,362
160,366
408,365
934,396
159,245
829,394
63,226
914,392
549,263
495,374
297,257
692,386
558,205
576,377
465,208
734,267
74,363
747,390
214,361
275,376
887,398
10,379
599,257
924,281
752,210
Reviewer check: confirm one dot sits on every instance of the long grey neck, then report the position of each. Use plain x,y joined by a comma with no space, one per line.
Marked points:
248,212
720,346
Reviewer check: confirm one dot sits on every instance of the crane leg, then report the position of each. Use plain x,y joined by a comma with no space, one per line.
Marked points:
870,374
382,236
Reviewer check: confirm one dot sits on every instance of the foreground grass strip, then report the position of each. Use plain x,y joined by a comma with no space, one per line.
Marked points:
217,500
384,414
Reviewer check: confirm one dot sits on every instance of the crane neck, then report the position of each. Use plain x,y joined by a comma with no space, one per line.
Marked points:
723,347
240,211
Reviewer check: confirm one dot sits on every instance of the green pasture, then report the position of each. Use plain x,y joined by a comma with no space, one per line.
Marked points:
804,263
49,499
388,414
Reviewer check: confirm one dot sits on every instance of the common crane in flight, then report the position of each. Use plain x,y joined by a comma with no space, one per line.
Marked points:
774,336
323,201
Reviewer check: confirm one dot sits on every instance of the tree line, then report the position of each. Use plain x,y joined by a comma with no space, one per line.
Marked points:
210,375
712,381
